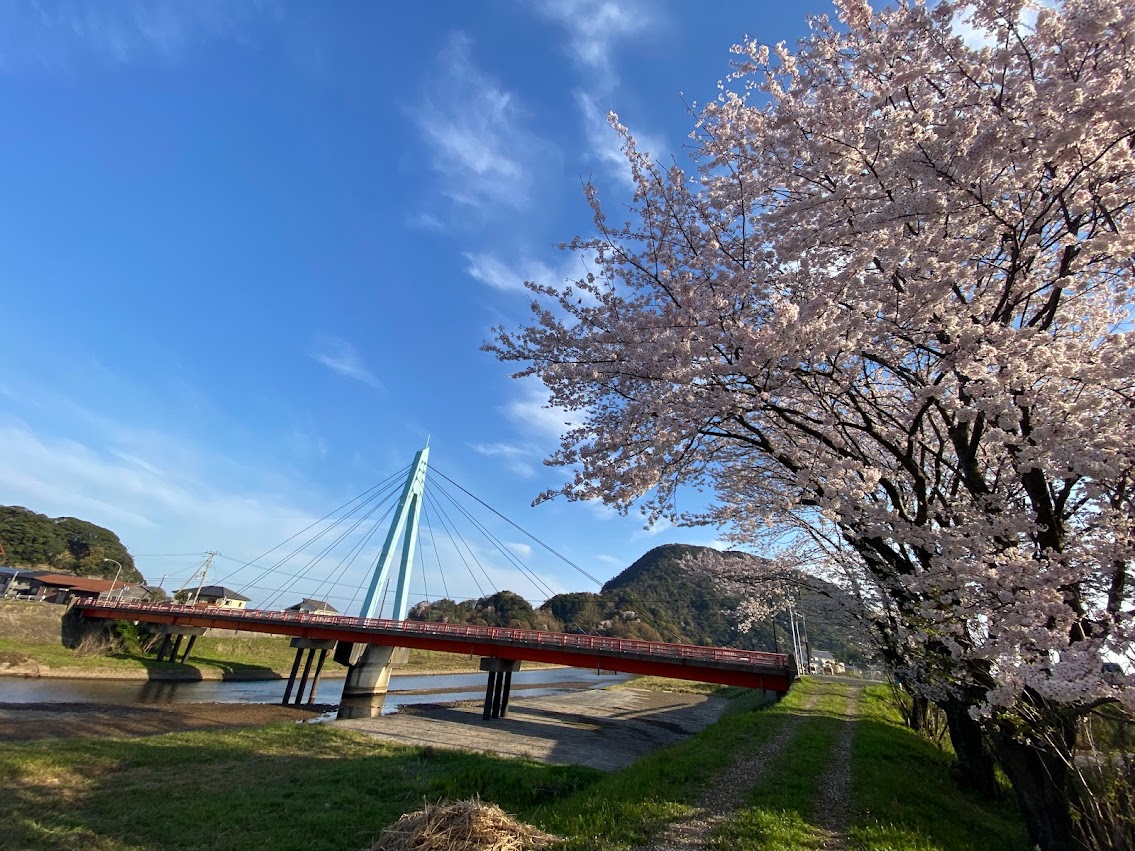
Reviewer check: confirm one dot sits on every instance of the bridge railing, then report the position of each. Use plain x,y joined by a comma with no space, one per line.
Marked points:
568,641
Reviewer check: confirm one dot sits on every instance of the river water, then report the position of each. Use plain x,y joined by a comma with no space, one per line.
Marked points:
404,690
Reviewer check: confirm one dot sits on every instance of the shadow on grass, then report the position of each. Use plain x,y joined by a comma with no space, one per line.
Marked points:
280,787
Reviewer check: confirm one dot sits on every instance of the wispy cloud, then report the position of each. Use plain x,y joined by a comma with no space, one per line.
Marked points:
532,413
489,269
519,459
341,357
475,133
56,35
594,26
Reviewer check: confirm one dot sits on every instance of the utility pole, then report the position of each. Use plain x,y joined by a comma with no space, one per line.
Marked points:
203,571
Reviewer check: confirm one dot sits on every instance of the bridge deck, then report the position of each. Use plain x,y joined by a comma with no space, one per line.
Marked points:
746,668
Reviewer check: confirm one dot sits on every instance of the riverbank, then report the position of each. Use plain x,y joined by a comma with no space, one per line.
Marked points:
25,722
829,766
30,646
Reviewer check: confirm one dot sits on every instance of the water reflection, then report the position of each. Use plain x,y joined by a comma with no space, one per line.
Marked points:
404,689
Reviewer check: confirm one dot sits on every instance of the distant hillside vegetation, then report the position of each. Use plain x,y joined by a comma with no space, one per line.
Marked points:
62,543
658,599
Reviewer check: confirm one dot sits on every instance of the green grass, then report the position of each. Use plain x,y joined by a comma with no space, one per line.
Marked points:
631,806
317,787
781,812
905,798
280,787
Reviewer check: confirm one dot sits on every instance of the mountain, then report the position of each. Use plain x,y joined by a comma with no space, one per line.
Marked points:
62,543
659,599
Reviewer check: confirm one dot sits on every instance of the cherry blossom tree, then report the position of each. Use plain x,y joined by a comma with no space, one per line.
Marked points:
889,306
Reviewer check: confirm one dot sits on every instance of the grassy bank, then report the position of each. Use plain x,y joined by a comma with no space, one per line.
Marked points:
30,646
316,787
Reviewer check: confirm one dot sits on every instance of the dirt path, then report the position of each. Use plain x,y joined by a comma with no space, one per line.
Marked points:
729,790
832,808
603,728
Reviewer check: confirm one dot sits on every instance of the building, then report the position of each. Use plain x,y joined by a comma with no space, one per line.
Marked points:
823,662
214,595
313,607
17,582
63,588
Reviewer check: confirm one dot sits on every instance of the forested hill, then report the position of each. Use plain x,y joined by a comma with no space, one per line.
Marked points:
62,543
658,599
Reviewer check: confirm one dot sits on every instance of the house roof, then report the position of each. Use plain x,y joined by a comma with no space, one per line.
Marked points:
220,591
23,571
312,605
823,655
81,583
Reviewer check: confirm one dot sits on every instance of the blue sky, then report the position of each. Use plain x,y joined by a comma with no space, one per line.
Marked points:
249,251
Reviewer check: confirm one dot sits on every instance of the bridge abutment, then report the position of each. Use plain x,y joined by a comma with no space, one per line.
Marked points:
364,691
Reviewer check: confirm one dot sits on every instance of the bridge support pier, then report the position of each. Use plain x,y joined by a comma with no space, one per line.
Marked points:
499,685
172,636
364,692
310,645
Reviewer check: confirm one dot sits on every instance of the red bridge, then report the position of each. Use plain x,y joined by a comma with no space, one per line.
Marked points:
745,668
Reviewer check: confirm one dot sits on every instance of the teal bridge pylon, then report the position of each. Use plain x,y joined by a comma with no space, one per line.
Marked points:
404,524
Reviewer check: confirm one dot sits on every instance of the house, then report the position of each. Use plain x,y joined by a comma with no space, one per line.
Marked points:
313,607
214,595
823,662
62,588
17,582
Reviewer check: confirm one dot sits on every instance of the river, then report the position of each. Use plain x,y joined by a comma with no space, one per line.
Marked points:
405,689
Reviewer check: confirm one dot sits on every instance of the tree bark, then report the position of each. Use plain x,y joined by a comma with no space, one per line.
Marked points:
975,762
1041,780
919,714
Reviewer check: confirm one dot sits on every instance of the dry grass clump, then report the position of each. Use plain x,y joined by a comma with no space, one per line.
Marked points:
461,826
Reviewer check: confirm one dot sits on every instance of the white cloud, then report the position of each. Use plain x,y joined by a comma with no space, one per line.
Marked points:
489,269
55,35
611,560
656,528
593,26
518,459
520,550
155,506
475,133
341,357
605,144
539,420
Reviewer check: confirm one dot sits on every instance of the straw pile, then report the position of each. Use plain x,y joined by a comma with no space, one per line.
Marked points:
461,826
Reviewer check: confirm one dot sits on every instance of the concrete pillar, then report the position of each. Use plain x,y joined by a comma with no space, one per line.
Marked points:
499,685
292,677
315,678
310,644
504,693
364,692
163,647
176,647
188,648
306,673
489,689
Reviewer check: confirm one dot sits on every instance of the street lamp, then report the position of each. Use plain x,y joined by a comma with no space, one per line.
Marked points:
110,593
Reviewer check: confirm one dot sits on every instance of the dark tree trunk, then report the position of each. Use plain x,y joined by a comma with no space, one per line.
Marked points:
1043,784
918,719
975,762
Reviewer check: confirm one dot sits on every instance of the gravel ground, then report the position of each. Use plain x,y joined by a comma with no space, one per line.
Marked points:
728,792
